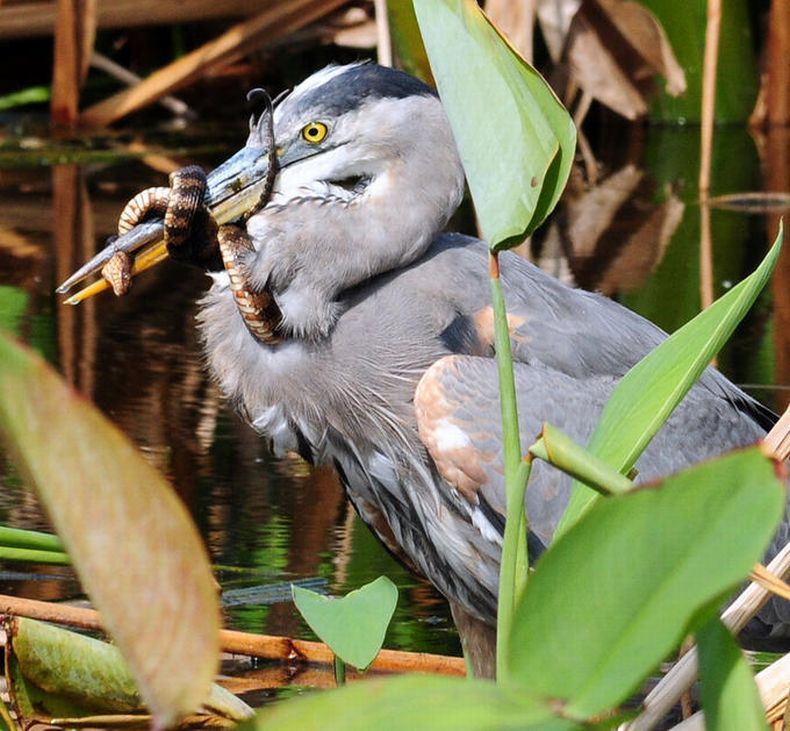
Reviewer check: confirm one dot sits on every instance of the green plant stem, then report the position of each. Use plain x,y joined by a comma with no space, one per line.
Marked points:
514,564
31,555
21,538
558,449
340,671
522,557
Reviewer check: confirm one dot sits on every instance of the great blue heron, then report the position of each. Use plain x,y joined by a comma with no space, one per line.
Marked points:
377,354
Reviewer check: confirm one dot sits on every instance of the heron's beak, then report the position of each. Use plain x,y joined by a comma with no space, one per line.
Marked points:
235,189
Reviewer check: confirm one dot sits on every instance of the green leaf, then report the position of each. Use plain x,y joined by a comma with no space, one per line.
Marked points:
32,555
649,392
23,97
13,303
515,138
22,538
416,703
622,586
729,693
407,41
132,542
58,664
354,625
557,448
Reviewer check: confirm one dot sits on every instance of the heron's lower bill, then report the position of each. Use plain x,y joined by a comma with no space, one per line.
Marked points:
149,258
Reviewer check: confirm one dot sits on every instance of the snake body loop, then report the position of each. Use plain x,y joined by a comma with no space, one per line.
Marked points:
259,310
180,204
148,201
183,207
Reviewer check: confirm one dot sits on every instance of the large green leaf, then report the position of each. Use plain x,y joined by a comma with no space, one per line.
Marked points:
650,391
354,625
729,693
515,138
132,542
612,597
416,703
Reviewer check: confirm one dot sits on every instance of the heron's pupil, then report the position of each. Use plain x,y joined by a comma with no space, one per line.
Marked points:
313,131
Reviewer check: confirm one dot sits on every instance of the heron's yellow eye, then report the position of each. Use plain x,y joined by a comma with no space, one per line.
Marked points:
314,132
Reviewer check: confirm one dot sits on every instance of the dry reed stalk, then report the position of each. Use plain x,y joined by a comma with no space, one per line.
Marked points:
103,63
772,684
383,37
75,33
777,441
266,647
762,576
278,20
710,64
36,18
777,94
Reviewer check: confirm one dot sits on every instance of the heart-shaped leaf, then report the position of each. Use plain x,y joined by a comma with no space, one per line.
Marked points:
622,586
132,542
354,625
518,159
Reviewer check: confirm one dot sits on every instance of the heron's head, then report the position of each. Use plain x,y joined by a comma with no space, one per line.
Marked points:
368,174
344,127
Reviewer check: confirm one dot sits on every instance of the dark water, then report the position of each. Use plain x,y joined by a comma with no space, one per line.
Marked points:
635,237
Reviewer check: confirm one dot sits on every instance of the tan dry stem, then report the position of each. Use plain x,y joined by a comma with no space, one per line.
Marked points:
267,647
772,684
777,441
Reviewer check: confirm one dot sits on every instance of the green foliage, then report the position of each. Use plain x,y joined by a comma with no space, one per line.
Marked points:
23,97
515,138
649,392
737,73
129,536
516,162
406,39
31,546
13,303
38,540
514,562
417,703
557,448
354,625
729,694
66,673
623,585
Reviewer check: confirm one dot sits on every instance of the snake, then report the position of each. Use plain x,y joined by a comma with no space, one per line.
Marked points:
180,205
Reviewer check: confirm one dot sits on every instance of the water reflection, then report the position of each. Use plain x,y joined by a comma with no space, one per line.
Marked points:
634,236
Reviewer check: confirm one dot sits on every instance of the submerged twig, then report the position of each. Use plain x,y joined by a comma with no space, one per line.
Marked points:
267,647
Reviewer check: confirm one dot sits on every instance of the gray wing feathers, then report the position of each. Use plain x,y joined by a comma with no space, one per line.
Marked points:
585,334
459,421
